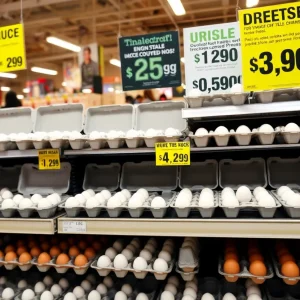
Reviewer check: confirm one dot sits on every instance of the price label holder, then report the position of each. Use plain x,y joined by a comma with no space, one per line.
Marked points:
173,154
49,159
150,61
270,47
12,48
74,226
212,58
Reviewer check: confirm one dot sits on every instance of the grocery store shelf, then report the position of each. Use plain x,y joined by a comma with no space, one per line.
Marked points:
18,153
239,228
242,110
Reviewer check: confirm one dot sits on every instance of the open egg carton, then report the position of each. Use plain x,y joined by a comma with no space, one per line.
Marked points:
283,176
246,177
194,180
289,134
279,95
47,190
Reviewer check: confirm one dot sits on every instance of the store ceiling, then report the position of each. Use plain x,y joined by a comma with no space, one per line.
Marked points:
86,21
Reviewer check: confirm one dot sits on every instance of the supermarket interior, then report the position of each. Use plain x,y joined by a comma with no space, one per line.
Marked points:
149,150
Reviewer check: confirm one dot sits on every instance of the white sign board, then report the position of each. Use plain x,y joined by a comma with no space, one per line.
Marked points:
212,58
74,226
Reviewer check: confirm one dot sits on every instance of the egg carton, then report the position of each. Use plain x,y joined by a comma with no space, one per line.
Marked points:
78,143
200,140
242,139
265,212
289,137
183,212
151,141
10,265
41,144
135,142
7,145
59,143
270,95
244,273
24,144
139,274
265,138
186,263
187,276
97,144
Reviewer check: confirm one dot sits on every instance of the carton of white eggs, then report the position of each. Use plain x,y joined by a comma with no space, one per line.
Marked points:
153,136
201,137
290,133
266,134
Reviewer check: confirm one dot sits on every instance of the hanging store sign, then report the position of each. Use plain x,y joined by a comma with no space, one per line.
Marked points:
12,48
212,57
49,159
270,47
150,61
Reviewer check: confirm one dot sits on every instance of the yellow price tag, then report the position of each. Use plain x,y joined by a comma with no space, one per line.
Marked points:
49,159
270,40
12,48
173,154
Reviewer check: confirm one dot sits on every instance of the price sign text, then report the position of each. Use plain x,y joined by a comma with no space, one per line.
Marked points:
49,159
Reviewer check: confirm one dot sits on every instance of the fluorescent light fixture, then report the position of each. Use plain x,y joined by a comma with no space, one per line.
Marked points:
5,89
177,7
110,89
64,83
182,60
26,91
63,44
251,3
86,91
43,71
8,75
115,62
20,97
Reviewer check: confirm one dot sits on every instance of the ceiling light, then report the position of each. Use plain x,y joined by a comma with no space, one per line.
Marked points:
43,71
182,60
8,75
64,83
26,91
177,7
5,89
63,44
251,3
115,62
110,89
20,97
86,91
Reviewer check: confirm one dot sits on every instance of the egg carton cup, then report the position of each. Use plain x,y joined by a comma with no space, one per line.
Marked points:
265,138
116,143
184,262
245,271
292,211
205,212
221,139
269,95
187,276
172,138
79,143
59,143
201,140
72,212
265,212
41,144
242,139
7,145
10,265
24,144
97,144
120,273
135,142
289,137
151,141
8,212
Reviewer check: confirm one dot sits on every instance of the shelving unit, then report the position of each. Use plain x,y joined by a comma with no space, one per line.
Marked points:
18,154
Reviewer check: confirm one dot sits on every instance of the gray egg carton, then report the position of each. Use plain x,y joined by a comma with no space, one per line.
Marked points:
288,137
277,95
187,259
10,177
61,117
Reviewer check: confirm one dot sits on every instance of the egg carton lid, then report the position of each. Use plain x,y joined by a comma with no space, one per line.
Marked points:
199,175
61,117
283,171
16,120
33,181
10,177
146,175
109,117
235,173
160,115
100,177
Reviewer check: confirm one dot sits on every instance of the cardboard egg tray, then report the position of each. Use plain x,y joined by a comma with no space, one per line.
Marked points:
278,95
265,212
288,137
245,271
7,145
183,266
10,265
183,212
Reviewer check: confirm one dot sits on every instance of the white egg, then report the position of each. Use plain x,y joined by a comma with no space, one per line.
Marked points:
17,199
69,296
287,195
94,295
141,296
135,201
168,248
160,265
171,288
118,245
128,254
78,292
126,193
174,280
228,190
191,284
243,194
292,127
132,248
106,194
136,242
253,290
249,282
108,282
294,200
258,190
229,296
166,295
120,261
86,285
48,280
254,297
44,203
113,134
7,195
187,297
8,293
131,134
165,255
267,201
266,128
3,190
86,195
56,290
22,284
121,197
103,261
158,202
206,200
97,135
111,253
236,88
91,278
91,202
150,248
102,289
100,199
121,134
153,242
8,203
64,283
26,203
54,199
72,202
221,130
143,192
4,137
201,132
36,198
114,202
190,292
28,294
151,133
140,264
207,296
243,129
146,254
39,287
171,132
186,191
91,192
75,135
81,199
127,289
120,296
230,201
282,190
46,295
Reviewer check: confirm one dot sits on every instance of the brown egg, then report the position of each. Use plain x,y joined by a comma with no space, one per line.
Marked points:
9,256
54,240
44,258
290,269
25,257
45,246
32,244
253,250
258,268
97,246
282,251
62,259
20,243
63,246
9,248
231,266
74,251
89,253
71,240
35,251
258,281
286,257
231,279
21,250
80,260
82,245
1,254
290,282
231,249
54,251
231,255
256,256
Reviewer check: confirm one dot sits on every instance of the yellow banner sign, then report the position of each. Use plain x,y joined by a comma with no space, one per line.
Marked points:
172,154
12,48
49,159
270,39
